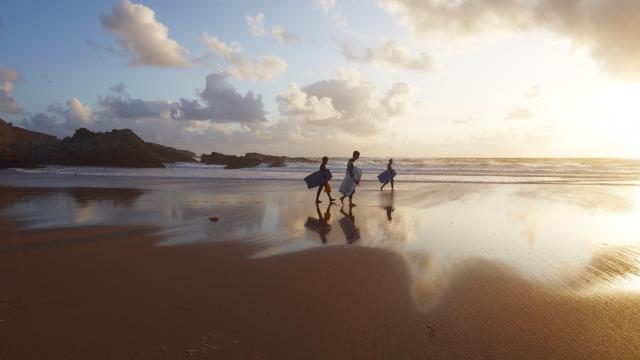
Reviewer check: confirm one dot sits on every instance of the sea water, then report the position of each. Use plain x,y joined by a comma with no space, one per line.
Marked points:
438,170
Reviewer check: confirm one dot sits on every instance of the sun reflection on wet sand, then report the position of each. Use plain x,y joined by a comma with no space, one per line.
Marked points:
550,234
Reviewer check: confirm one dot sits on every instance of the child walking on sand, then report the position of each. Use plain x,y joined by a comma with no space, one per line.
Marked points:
390,169
351,179
326,175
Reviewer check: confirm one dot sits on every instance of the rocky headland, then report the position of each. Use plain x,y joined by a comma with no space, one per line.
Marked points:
117,148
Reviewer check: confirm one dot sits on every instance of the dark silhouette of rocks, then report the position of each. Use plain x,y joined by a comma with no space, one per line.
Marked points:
275,160
16,144
172,155
250,159
118,148
230,161
243,162
216,158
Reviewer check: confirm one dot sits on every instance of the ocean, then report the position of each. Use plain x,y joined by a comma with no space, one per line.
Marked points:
604,171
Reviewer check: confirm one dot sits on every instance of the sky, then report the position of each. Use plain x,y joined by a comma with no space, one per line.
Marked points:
435,78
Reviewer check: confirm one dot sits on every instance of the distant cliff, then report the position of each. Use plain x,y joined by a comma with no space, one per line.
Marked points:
121,148
118,148
16,144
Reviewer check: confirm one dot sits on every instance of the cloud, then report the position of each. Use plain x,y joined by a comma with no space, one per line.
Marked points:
222,103
7,102
123,106
519,113
608,28
350,104
389,55
256,24
283,36
533,93
396,100
345,111
532,98
245,67
62,120
461,121
143,37
298,105
325,6
219,115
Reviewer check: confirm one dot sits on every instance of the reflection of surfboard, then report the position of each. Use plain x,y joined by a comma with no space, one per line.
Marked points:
351,232
316,179
386,175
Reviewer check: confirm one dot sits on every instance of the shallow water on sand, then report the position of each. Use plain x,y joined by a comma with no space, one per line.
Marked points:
576,239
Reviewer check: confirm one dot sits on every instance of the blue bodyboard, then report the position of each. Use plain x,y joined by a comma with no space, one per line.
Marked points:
316,179
386,175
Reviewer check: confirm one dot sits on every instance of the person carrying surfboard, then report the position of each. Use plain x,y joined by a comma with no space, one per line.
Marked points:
351,179
326,175
392,174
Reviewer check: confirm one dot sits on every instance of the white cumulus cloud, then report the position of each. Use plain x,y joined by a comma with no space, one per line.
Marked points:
143,37
7,103
283,36
242,66
256,24
349,103
325,6
390,55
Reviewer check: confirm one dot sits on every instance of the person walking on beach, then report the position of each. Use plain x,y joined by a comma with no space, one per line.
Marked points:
390,169
351,179
326,175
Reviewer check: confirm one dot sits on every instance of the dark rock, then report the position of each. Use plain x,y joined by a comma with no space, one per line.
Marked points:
216,158
250,159
230,161
266,158
16,145
243,162
21,148
117,148
277,163
171,155
272,159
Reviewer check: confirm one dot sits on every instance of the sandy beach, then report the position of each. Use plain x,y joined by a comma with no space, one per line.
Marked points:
110,268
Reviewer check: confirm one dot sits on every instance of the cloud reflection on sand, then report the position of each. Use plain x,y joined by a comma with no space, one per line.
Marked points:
549,234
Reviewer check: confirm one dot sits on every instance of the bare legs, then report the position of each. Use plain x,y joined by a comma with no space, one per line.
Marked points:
318,195
386,182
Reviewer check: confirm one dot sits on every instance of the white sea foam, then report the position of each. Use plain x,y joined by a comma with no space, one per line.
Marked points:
572,171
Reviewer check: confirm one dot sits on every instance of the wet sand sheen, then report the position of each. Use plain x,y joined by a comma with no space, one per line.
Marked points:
123,298
79,288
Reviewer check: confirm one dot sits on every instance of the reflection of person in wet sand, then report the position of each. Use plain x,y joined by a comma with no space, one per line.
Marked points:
387,204
348,226
321,224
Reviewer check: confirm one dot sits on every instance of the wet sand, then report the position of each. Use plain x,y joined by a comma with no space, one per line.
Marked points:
99,279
